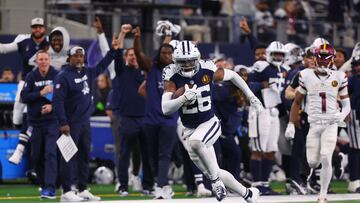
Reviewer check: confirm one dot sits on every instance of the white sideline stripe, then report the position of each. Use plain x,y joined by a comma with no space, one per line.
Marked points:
262,199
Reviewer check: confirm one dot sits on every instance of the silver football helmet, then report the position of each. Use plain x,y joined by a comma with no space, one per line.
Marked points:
186,57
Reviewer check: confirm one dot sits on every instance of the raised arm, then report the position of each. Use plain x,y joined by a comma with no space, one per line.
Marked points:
114,53
143,61
104,46
246,29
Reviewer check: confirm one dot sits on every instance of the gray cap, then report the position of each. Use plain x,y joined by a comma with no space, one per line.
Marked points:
37,21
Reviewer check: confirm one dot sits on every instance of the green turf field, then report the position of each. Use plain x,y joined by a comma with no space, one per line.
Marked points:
13,193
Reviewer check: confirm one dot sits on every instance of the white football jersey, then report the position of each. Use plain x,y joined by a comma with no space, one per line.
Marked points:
322,93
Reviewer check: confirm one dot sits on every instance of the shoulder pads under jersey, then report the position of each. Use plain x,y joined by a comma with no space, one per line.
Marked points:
259,66
169,71
208,64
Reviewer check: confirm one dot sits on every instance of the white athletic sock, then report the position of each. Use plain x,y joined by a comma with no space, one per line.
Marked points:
325,175
231,183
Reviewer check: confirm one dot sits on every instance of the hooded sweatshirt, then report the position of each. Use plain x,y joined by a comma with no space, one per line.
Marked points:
58,59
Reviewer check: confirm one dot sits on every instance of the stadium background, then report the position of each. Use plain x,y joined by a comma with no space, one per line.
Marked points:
78,16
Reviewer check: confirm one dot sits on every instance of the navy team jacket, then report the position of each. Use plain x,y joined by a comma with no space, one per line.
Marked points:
73,99
30,95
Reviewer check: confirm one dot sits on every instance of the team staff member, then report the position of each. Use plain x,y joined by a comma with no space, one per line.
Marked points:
73,106
42,122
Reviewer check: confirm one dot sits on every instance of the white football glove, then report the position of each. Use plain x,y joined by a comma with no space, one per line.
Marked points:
190,93
165,27
160,28
175,29
255,102
290,131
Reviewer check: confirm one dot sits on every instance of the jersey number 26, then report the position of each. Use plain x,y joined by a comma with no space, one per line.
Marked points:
203,103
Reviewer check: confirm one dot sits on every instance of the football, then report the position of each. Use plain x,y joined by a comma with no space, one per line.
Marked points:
180,91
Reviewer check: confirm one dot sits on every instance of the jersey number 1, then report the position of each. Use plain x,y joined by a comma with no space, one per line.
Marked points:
323,101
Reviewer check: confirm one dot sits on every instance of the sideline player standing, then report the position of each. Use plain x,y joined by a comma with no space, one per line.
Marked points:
321,86
264,128
202,127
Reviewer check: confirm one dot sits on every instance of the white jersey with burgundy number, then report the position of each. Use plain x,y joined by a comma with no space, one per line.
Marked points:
322,94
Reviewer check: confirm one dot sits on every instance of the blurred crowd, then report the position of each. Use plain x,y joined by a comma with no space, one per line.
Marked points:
126,85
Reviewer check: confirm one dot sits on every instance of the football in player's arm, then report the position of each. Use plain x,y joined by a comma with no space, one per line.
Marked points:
172,103
202,127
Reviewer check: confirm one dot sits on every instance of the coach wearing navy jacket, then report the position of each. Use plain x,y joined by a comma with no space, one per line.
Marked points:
73,105
37,94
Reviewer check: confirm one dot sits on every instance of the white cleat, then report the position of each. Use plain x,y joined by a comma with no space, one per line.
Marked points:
168,193
353,185
252,195
158,193
219,190
17,155
71,197
165,192
87,196
202,191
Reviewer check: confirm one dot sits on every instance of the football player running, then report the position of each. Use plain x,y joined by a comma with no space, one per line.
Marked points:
202,127
322,87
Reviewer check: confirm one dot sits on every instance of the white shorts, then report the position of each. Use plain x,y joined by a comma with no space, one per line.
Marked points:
264,130
321,140
207,132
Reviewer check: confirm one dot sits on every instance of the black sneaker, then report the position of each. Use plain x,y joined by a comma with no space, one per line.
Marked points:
339,167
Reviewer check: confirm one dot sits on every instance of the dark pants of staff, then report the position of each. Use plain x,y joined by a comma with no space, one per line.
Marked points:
161,143
43,153
132,132
78,165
